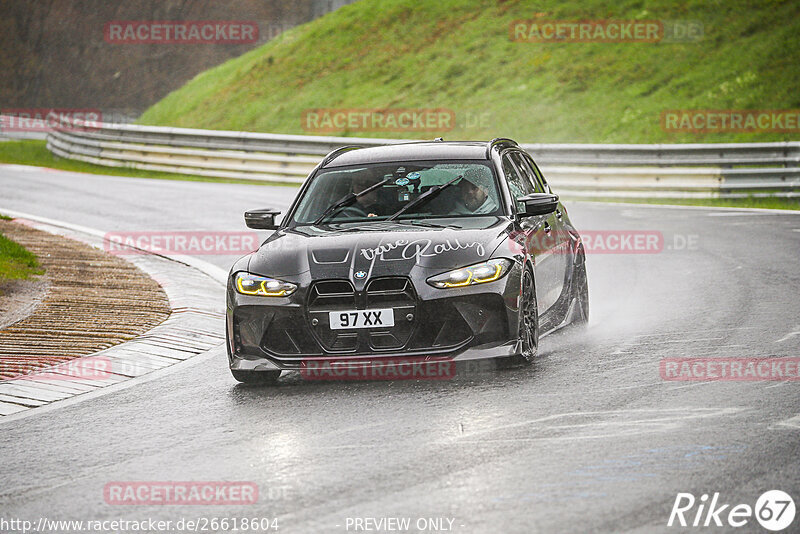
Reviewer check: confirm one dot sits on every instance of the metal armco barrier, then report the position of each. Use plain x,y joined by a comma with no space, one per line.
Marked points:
574,170
8,130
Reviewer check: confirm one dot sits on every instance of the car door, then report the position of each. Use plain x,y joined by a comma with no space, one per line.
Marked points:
562,245
560,220
537,232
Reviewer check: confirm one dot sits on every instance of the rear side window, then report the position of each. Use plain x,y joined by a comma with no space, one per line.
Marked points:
539,176
528,172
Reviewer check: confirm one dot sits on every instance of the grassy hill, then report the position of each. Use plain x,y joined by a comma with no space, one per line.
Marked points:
457,54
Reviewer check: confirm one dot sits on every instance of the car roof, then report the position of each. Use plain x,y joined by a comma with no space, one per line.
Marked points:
417,151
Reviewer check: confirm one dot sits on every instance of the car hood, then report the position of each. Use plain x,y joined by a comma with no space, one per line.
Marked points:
377,249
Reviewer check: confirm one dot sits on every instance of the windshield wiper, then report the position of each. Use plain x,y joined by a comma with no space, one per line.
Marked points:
429,224
430,193
349,199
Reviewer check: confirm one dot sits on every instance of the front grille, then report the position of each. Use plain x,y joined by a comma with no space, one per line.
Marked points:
390,291
332,295
396,293
328,296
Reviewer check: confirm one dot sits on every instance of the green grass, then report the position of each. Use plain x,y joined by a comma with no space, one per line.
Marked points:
34,152
456,54
16,263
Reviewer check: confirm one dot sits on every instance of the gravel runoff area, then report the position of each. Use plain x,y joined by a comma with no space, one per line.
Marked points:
94,301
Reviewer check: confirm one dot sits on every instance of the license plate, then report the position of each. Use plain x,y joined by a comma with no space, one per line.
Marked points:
361,319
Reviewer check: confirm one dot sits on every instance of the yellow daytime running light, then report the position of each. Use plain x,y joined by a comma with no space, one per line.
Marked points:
455,274
498,270
481,273
261,286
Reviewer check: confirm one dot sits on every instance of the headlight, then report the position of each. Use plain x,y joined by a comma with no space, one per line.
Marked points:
480,273
262,286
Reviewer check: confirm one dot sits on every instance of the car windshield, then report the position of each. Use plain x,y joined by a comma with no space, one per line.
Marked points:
474,194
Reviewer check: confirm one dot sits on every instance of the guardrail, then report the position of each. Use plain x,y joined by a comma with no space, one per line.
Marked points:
578,170
8,130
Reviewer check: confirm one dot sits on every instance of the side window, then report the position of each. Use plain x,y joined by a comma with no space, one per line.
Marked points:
539,176
527,173
518,185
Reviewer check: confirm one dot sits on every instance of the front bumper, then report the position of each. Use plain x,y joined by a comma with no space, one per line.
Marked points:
505,350
476,322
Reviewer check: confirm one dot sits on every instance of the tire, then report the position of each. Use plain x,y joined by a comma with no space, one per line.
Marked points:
255,378
581,290
529,324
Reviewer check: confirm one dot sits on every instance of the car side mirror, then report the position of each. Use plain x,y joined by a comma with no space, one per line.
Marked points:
263,219
539,204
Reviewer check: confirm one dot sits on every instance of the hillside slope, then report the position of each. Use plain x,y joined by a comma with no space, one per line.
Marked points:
457,55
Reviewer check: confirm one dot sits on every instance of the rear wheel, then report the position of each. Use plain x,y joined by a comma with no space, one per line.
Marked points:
256,378
529,325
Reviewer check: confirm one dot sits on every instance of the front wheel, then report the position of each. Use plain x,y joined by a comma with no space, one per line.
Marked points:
529,325
255,378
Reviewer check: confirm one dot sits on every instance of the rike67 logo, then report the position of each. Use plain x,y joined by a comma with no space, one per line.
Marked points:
774,510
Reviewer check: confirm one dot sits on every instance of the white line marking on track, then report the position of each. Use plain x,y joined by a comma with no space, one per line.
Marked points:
666,341
789,335
794,422
731,214
694,384
713,330
666,414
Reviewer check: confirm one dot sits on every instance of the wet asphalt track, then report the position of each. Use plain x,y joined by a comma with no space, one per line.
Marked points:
590,438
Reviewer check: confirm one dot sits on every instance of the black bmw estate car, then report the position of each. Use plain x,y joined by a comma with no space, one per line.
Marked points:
425,250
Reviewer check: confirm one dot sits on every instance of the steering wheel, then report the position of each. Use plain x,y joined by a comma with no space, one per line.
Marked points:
353,212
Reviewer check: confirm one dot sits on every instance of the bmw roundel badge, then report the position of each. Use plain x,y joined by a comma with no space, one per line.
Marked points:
360,274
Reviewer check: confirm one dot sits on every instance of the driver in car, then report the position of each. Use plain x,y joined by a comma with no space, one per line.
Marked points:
366,205
474,192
